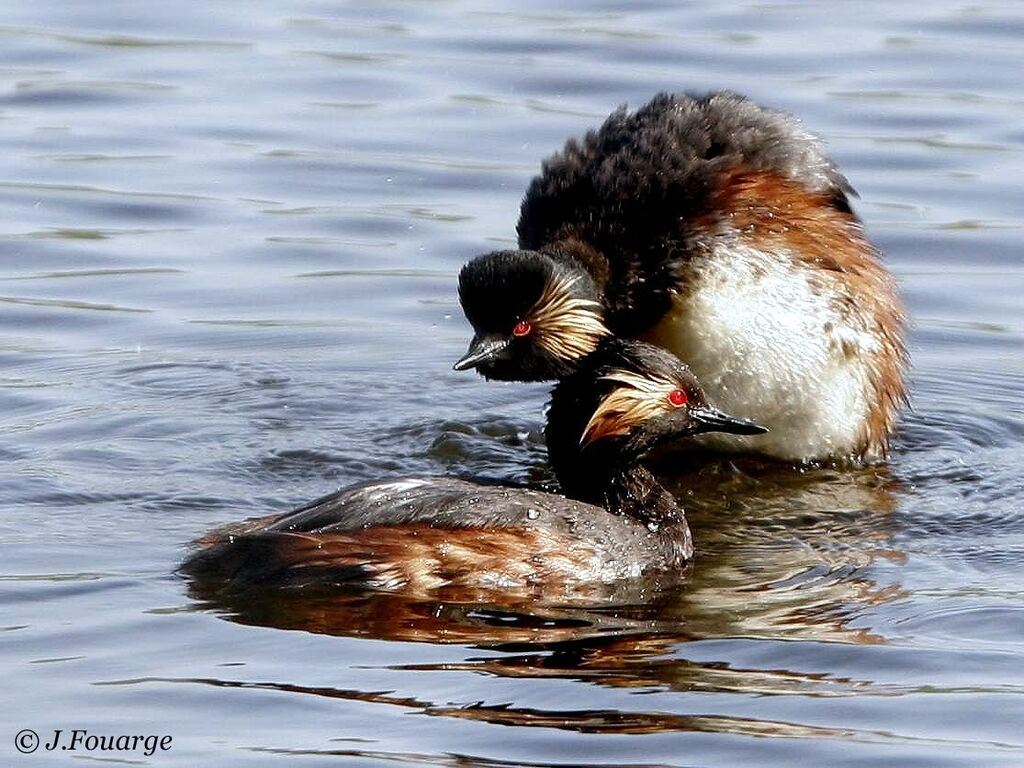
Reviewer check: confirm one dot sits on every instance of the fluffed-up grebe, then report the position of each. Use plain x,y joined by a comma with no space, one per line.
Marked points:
720,230
421,533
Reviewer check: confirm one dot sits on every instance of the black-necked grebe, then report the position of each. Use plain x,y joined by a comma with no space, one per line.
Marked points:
420,533
719,230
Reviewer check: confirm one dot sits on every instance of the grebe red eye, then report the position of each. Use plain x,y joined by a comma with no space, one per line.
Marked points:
522,328
677,397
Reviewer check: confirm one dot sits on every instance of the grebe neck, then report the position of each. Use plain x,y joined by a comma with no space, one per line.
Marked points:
636,493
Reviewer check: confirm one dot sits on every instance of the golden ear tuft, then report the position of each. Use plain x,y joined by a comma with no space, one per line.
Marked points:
625,407
568,327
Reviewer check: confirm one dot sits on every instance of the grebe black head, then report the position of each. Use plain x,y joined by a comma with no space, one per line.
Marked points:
720,230
533,317
421,533
626,399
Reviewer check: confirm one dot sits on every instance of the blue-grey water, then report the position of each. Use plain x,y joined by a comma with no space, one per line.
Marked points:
229,239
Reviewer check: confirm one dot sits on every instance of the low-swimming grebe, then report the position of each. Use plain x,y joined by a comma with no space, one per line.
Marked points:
720,230
420,533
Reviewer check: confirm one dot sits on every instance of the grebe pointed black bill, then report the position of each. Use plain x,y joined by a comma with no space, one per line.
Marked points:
709,419
481,349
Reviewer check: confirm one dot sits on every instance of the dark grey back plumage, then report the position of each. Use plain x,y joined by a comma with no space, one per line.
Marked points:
610,547
441,502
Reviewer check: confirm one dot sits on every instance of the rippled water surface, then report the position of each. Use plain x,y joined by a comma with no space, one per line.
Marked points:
228,245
